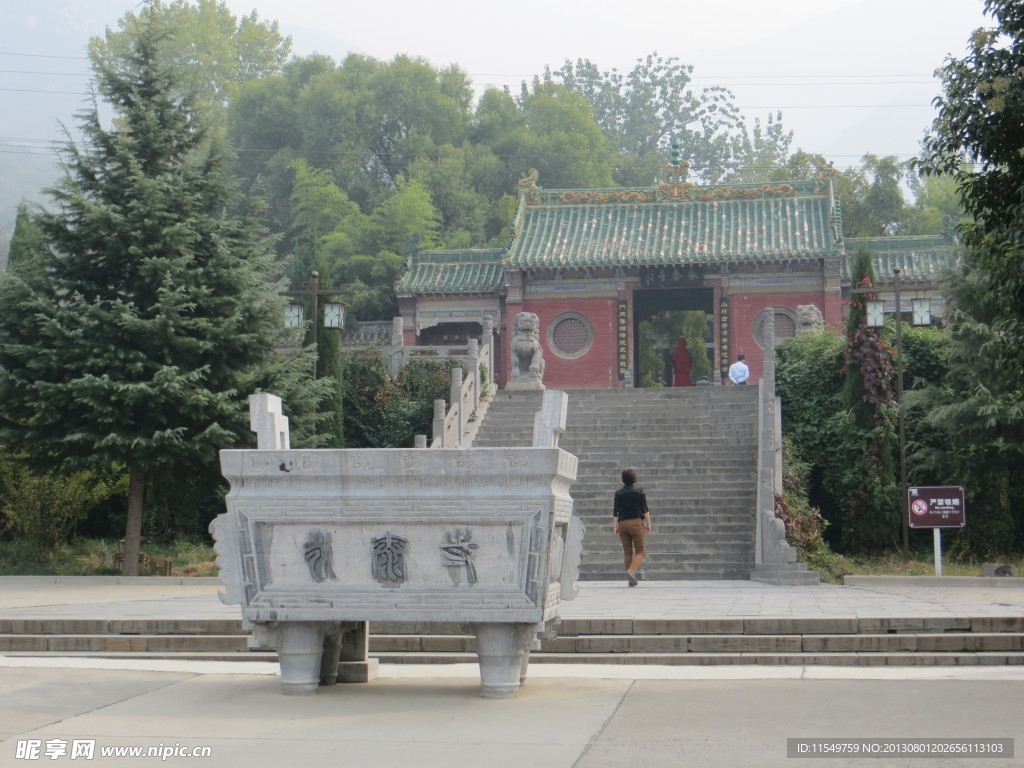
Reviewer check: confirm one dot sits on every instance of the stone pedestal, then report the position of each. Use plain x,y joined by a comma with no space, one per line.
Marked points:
301,652
504,653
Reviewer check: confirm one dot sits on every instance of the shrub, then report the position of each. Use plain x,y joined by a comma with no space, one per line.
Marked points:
804,524
45,508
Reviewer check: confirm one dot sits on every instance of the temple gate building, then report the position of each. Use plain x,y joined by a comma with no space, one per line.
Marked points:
593,264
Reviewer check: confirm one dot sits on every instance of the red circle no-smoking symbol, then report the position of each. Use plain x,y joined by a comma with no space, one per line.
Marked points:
919,507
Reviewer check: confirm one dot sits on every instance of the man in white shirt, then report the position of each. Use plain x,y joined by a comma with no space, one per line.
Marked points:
738,371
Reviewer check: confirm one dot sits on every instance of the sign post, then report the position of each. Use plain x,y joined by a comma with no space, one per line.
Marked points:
936,507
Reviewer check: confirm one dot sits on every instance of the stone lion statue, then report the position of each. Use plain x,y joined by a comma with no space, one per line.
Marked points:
527,356
809,319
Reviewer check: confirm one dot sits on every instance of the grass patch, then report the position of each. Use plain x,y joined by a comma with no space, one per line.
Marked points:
95,557
894,565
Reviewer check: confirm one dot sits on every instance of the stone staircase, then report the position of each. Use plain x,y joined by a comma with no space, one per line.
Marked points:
941,641
695,451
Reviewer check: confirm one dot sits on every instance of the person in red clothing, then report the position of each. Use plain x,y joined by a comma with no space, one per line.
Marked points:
631,520
683,364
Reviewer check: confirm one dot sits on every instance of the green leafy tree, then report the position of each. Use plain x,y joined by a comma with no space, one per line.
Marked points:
972,421
760,152
641,112
560,138
319,209
464,183
977,139
936,208
368,120
150,318
211,49
872,195
405,221
410,211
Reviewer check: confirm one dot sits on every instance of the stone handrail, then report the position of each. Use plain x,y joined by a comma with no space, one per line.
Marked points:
454,426
774,558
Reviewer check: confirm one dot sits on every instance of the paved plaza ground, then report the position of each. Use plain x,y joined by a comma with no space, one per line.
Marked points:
582,716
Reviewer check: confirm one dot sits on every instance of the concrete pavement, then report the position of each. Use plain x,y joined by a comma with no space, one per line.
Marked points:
861,597
566,715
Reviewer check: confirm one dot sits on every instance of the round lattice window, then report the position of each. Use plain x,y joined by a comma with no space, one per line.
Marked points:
785,325
570,335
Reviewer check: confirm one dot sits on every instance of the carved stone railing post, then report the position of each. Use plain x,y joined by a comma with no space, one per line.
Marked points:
458,418
766,549
397,353
549,422
438,431
474,372
487,342
267,420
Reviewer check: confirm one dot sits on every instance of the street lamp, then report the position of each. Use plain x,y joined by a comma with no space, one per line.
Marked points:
334,312
293,316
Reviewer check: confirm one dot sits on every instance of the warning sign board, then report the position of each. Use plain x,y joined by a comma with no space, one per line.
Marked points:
937,506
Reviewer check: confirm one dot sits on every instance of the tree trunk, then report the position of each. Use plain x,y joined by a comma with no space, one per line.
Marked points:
133,525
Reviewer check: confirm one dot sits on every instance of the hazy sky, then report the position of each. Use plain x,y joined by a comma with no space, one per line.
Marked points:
849,76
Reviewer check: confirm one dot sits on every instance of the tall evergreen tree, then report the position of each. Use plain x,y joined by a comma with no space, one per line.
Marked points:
150,320
26,242
868,475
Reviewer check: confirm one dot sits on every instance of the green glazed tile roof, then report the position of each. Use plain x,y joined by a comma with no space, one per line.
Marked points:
701,225
469,271
925,258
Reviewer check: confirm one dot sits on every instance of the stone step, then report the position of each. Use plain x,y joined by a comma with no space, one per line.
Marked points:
751,625
894,659
850,659
695,451
909,642
125,643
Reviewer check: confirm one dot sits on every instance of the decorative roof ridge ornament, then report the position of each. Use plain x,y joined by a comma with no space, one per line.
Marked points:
528,189
675,186
678,169
676,192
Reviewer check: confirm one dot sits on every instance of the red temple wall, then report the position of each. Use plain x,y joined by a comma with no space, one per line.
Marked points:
745,307
597,368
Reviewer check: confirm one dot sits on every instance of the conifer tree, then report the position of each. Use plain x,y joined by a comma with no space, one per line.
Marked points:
868,475
149,319
26,242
